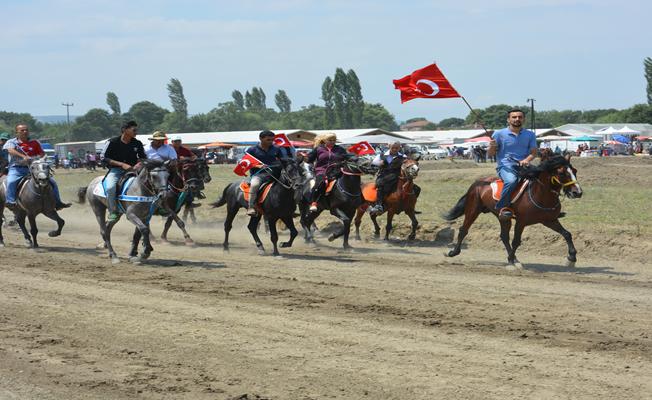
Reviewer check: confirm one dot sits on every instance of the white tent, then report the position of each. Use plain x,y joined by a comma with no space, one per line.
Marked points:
608,131
374,139
626,130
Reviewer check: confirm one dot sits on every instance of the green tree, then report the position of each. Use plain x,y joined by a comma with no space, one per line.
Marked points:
354,100
283,102
640,113
96,124
451,123
147,114
328,95
647,63
177,99
238,99
11,119
113,103
340,95
377,116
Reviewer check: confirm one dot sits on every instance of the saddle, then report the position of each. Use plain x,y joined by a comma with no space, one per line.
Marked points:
369,193
123,179
497,188
262,191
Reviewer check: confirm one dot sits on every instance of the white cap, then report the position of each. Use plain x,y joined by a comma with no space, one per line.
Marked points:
175,138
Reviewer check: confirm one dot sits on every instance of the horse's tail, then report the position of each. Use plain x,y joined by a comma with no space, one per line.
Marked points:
458,210
222,200
81,194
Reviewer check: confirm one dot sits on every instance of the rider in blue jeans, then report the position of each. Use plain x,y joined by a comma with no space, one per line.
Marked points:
120,154
513,147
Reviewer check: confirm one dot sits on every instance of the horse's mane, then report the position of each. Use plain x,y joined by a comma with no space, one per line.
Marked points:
547,165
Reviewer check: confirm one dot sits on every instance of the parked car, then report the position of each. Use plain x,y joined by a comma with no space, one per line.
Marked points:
432,152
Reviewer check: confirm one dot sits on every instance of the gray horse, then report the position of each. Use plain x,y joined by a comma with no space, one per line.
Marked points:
138,202
35,196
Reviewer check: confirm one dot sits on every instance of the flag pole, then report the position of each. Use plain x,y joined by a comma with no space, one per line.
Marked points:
475,114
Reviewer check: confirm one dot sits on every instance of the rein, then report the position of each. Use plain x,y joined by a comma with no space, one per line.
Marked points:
553,180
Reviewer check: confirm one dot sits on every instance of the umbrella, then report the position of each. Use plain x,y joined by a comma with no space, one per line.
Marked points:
620,138
583,139
215,144
643,137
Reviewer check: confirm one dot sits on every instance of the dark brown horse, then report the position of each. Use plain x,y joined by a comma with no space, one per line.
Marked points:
538,204
403,199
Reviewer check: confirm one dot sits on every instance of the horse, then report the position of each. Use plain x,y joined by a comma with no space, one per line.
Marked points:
139,201
279,203
188,208
185,183
539,202
35,196
342,200
402,199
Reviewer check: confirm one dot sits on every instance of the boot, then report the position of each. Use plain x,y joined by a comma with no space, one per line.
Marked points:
61,205
253,199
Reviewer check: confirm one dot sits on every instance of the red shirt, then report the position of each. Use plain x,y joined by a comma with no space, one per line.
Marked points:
183,152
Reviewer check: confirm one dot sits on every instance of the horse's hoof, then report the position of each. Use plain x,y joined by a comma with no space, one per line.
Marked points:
261,252
518,265
412,237
135,260
2,244
286,245
54,233
101,246
190,243
570,264
331,238
28,244
115,260
451,253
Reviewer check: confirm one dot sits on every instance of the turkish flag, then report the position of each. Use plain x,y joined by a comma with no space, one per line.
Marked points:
361,149
425,83
246,163
281,140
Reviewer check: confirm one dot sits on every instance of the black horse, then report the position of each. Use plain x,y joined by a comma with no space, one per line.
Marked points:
280,203
342,201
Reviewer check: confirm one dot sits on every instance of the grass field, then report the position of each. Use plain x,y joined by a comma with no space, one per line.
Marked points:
612,218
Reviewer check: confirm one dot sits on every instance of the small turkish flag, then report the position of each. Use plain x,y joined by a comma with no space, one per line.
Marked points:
361,149
281,140
426,83
246,163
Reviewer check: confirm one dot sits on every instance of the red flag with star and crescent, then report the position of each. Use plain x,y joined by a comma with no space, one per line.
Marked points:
425,83
281,140
246,163
361,149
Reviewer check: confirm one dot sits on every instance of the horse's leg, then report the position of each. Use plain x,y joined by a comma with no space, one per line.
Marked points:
228,224
33,229
307,222
469,219
109,246
359,213
20,219
505,226
273,234
415,224
54,215
516,242
572,252
2,220
173,216
166,228
374,219
135,240
253,229
144,231
388,226
289,223
346,228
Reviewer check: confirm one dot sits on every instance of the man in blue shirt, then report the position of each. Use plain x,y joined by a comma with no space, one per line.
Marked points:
513,147
269,155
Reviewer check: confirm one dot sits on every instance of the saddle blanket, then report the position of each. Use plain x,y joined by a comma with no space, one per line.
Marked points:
262,192
497,188
369,192
100,191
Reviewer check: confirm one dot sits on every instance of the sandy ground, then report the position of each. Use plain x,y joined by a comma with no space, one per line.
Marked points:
385,321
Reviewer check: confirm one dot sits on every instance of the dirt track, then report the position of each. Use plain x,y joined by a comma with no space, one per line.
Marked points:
316,323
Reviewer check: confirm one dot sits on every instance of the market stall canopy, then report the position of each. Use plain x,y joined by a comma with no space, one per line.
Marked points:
215,145
620,138
553,138
608,131
626,130
583,139
481,139
643,137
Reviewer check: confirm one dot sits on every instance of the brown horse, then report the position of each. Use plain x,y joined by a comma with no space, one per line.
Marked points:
403,199
538,203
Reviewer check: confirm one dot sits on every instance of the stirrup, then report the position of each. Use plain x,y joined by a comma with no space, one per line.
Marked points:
313,206
505,214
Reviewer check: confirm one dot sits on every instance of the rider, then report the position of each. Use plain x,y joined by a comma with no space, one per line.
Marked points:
4,154
513,147
157,149
390,169
120,154
324,155
184,153
20,149
270,155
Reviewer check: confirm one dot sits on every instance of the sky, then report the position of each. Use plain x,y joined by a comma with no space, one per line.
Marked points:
566,54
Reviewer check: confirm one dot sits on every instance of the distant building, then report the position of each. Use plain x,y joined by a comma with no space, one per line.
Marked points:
417,125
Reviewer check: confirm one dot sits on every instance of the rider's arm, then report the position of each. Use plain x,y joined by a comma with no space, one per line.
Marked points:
312,156
15,153
533,151
493,148
378,160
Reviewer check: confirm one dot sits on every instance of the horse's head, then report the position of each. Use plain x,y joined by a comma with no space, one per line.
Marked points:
204,169
563,175
40,171
358,165
292,173
410,168
191,175
156,174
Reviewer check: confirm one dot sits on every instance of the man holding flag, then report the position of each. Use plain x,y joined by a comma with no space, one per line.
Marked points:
267,155
387,179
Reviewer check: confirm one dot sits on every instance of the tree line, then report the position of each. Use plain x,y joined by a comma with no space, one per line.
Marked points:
343,108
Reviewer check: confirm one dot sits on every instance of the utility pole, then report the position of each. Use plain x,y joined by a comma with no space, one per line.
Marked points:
68,105
532,110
